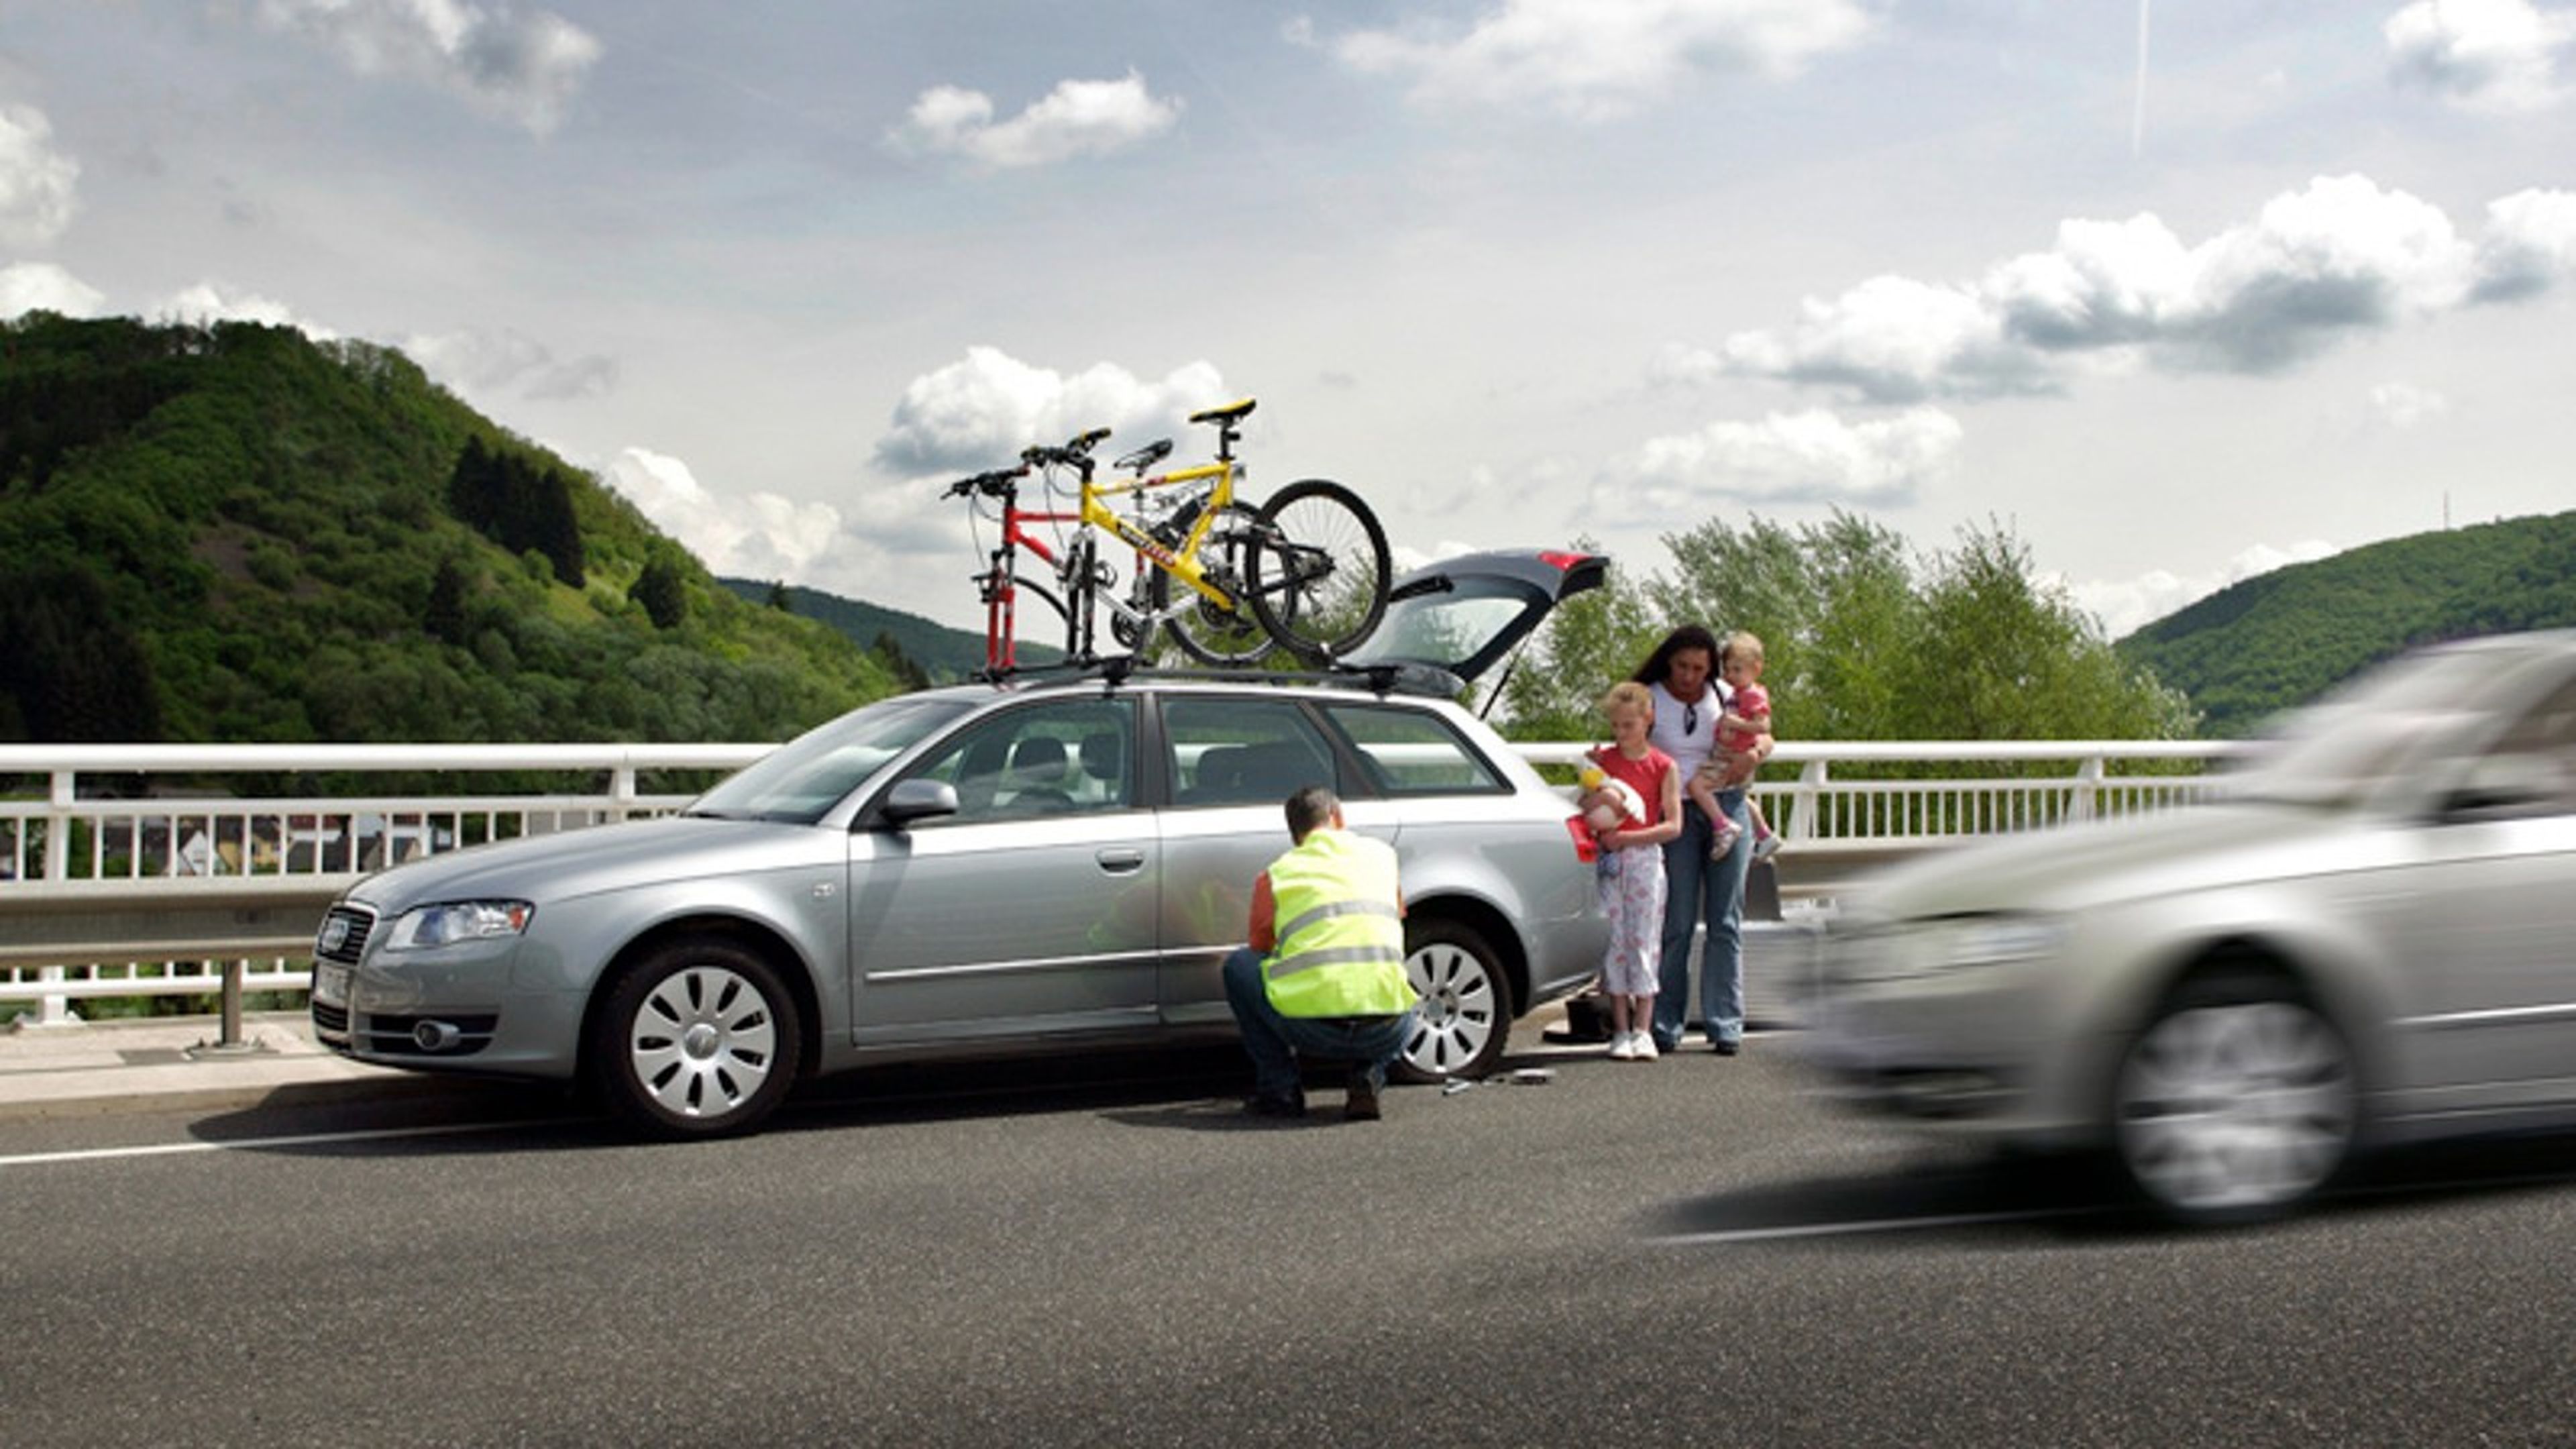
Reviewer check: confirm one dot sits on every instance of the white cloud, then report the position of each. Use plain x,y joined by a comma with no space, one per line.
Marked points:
2487,55
2529,245
1597,59
524,68
1808,457
2340,257
2405,406
2127,605
43,287
757,536
980,412
209,302
36,181
510,361
1077,118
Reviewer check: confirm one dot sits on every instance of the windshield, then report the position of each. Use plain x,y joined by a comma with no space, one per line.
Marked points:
811,773
2403,718
1447,626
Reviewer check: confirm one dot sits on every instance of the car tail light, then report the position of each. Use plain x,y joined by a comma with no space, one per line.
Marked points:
1586,849
1561,560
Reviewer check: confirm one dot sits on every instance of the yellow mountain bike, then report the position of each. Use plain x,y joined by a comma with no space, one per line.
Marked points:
1306,571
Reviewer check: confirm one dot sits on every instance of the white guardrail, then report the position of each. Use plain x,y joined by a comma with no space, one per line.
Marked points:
106,892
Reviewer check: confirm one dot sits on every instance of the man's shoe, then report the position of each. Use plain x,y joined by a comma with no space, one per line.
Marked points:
1262,1104
1362,1104
1726,1046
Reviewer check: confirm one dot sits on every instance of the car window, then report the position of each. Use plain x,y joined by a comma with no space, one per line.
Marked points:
1242,751
1060,758
807,776
1413,752
2544,743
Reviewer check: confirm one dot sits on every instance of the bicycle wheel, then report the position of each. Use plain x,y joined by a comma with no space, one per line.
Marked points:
1318,570
1205,632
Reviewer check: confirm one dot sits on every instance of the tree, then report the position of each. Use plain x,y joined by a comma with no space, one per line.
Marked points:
906,672
1863,640
444,615
72,670
660,589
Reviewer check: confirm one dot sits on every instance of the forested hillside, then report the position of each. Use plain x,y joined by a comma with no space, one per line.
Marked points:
940,654
235,533
2282,639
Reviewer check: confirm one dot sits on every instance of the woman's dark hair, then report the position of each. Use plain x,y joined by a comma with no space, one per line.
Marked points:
1659,665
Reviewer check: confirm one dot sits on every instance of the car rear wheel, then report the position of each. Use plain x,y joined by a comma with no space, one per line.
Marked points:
1464,1018
2239,1101
699,1040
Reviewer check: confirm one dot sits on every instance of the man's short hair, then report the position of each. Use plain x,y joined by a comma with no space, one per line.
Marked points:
1312,806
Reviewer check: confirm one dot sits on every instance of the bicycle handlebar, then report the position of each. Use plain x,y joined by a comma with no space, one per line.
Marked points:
996,483
1076,453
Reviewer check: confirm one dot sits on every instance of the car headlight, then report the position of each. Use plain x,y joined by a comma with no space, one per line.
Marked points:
1931,948
449,922
1971,941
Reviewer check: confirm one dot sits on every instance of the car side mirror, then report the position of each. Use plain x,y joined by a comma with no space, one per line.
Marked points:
2511,784
912,800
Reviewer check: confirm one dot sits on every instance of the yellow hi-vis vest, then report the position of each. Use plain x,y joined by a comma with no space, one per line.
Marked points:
1340,943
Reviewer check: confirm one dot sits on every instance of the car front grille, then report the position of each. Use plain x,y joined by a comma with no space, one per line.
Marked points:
331,1020
351,926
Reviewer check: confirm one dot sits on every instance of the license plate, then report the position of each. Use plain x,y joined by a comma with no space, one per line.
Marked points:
331,984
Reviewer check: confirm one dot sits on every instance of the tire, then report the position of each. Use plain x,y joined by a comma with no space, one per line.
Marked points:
1464,1018
702,1039
1206,633
2238,1101
1318,571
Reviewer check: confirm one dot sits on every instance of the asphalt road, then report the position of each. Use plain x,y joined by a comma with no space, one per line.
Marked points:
1692,1251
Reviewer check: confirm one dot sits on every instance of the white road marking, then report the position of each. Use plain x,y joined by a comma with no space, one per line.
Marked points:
1865,1225
310,1139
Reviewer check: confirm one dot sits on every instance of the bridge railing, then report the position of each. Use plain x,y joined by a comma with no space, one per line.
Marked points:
141,870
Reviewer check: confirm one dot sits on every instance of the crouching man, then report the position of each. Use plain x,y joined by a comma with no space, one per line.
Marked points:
1323,977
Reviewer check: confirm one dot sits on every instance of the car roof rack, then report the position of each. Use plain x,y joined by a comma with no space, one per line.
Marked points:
1114,670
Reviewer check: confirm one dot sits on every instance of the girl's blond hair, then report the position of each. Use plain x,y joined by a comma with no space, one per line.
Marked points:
1627,693
1736,643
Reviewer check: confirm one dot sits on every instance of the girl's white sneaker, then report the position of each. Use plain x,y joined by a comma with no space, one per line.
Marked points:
1644,1051
1623,1046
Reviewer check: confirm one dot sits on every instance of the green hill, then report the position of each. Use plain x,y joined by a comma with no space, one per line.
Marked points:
944,655
2282,639
235,533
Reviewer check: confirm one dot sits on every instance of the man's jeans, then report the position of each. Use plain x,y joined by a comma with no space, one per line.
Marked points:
1694,886
1274,1042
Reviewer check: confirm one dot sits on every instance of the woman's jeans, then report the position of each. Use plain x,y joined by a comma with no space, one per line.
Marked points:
1697,886
1367,1044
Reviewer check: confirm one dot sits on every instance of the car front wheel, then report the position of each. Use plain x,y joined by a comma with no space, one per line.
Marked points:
1464,1018
699,1040
2237,1102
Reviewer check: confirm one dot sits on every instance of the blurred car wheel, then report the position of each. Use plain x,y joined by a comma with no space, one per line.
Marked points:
2237,1102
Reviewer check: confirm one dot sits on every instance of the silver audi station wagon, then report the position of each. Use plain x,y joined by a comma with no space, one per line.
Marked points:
2369,938
1045,864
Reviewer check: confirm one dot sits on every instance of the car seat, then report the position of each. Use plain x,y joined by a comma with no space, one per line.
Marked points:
1036,777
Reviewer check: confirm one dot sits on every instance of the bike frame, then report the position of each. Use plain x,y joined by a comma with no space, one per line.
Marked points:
1181,561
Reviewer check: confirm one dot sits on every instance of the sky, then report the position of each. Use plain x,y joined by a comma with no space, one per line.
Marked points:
2178,292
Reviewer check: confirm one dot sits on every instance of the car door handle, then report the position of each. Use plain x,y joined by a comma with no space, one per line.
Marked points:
1120,862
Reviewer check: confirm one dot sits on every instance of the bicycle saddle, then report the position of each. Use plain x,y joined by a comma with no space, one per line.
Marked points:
1146,456
1231,412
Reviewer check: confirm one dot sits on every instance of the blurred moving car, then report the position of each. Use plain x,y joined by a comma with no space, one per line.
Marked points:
1057,861
2370,938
